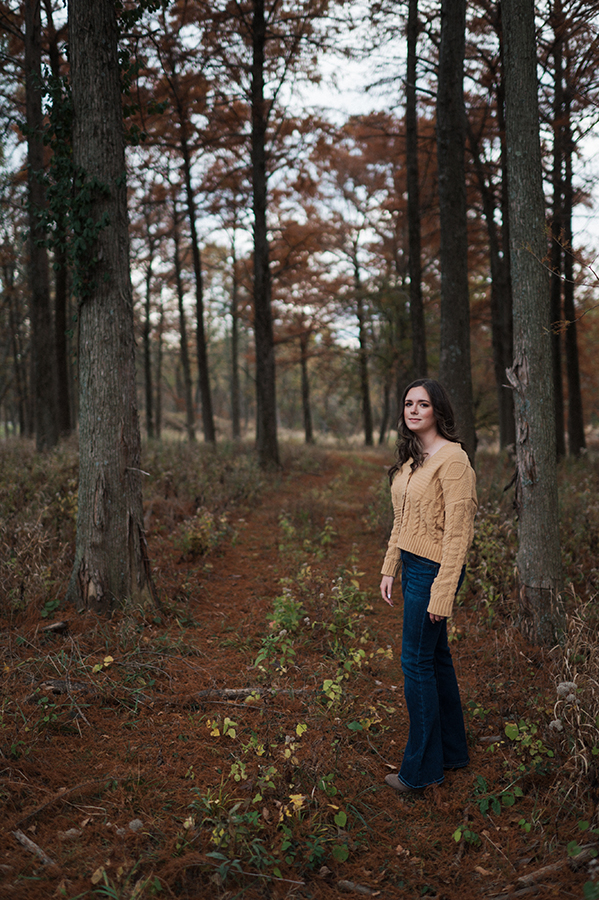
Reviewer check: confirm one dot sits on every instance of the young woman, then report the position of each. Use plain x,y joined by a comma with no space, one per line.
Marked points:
433,489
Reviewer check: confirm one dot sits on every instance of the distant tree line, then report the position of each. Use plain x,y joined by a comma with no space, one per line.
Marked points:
176,190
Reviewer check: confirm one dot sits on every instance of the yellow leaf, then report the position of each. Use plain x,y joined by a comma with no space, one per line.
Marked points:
98,875
297,800
482,871
108,660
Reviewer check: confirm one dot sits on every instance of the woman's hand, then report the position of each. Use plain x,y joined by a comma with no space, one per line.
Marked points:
387,588
434,619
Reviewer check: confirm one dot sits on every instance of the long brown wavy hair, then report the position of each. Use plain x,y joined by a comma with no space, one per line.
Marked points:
409,445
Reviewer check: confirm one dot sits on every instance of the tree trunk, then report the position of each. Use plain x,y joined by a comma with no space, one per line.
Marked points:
539,566
184,352
42,330
362,354
500,298
147,329
419,365
266,403
386,410
557,227
20,378
235,387
454,362
576,436
61,269
111,566
505,316
159,359
306,410
201,346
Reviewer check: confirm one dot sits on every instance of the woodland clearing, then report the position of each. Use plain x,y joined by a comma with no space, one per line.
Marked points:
234,742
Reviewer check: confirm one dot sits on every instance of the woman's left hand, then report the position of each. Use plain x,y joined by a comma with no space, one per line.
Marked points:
434,619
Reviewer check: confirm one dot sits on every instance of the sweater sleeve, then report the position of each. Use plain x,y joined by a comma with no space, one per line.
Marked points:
392,560
458,483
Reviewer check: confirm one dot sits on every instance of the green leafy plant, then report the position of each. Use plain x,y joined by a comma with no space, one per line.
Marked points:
467,835
490,802
529,747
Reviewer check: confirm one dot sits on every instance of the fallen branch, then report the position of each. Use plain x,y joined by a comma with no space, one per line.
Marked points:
527,884
354,888
589,851
61,795
56,628
33,848
64,686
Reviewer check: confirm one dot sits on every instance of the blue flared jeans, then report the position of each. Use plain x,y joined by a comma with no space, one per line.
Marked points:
437,738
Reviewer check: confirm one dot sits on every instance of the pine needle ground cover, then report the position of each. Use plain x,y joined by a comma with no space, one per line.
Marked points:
234,741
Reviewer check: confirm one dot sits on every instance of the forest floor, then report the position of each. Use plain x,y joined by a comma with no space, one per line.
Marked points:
235,743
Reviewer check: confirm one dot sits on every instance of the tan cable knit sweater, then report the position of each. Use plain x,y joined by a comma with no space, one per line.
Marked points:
434,509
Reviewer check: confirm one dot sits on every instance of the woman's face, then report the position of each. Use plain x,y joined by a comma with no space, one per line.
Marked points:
418,412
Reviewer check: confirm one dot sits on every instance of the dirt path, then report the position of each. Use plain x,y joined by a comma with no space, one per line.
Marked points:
286,788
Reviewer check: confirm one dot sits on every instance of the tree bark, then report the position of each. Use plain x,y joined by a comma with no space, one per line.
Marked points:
111,567
557,226
61,276
505,312
159,361
20,375
419,364
184,352
538,560
42,327
147,330
266,403
386,413
454,362
363,355
306,410
501,332
201,346
235,386
576,435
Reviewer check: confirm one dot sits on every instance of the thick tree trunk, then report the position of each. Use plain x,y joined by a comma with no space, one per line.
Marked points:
505,317
61,279
42,328
419,364
184,352
454,362
111,566
266,402
61,330
576,436
539,565
557,227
